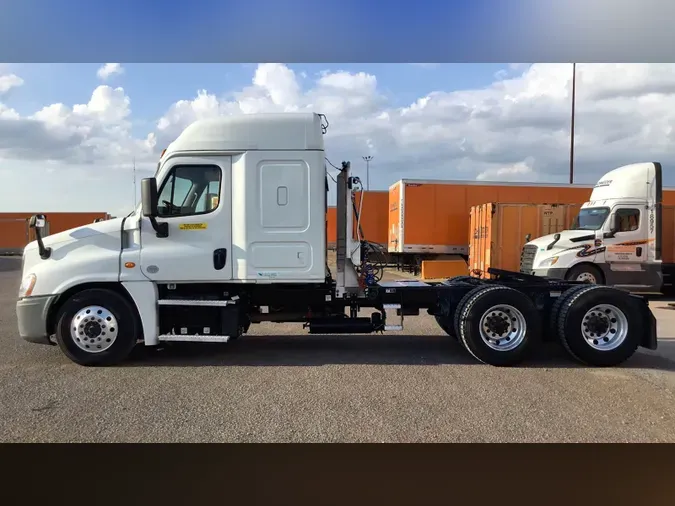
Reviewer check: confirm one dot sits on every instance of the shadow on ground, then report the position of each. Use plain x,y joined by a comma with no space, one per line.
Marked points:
312,351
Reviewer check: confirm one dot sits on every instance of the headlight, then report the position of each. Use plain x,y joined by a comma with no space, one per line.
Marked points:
27,285
548,262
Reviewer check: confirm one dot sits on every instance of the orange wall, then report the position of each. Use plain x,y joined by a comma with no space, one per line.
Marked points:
668,234
14,227
438,214
669,197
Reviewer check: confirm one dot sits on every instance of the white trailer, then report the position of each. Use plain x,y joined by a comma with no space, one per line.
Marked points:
232,232
617,239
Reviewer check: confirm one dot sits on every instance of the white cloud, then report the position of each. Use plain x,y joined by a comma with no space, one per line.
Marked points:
520,171
108,70
515,129
9,81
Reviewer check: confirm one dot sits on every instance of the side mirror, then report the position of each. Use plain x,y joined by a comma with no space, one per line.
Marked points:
37,221
528,237
614,223
149,197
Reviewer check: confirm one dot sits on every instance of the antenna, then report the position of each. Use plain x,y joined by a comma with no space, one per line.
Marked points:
134,169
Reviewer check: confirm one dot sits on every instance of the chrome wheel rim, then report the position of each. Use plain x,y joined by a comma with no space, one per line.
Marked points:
587,276
93,329
503,327
604,327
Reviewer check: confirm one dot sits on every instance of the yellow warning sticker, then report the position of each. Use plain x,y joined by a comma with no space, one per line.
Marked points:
193,226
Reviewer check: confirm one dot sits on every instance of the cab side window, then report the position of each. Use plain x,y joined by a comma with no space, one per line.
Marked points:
190,190
629,219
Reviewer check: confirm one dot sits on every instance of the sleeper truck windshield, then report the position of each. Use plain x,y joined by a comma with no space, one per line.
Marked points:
590,219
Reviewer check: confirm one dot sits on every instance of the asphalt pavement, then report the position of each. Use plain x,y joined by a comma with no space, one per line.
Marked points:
281,385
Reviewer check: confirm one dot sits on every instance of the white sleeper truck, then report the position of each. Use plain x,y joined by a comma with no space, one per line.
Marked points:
616,239
232,232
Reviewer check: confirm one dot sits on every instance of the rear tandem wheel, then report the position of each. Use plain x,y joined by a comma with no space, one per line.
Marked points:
446,319
599,326
498,325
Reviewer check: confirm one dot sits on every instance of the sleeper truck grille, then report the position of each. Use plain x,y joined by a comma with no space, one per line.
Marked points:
527,258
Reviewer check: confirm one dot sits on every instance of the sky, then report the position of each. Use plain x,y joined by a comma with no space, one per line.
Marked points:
70,133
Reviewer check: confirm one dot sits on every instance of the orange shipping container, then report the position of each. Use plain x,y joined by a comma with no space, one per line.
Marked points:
15,234
498,231
331,227
374,218
433,216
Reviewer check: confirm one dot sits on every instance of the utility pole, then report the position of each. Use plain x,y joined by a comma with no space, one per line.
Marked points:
367,159
574,89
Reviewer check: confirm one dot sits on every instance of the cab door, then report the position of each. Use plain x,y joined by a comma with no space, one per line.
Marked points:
629,244
195,202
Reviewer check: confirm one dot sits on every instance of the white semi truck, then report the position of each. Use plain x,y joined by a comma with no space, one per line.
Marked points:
617,239
232,232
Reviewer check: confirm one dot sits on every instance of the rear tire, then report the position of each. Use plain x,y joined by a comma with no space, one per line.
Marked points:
498,325
557,305
97,327
587,273
447,322
600,326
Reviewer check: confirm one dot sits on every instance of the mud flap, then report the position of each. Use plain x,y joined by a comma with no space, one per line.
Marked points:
649,338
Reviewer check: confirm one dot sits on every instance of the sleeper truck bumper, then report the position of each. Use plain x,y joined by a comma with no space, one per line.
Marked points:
31,316
554,273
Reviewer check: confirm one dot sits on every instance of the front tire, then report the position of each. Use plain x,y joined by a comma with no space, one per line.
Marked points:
587,273
97,327
498,325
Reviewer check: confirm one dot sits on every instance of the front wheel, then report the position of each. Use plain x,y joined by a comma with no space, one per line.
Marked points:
97,327
586,273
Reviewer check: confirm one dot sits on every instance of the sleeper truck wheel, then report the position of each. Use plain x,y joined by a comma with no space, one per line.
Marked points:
446,320
554,314
600,326
587,273
97,327
498,325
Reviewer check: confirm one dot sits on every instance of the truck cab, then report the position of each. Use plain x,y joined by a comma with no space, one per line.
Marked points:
615,239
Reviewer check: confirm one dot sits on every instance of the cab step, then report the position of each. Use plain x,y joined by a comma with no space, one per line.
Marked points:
397,308
196,302
193,338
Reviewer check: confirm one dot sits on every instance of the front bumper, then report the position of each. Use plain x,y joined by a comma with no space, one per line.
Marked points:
555,273
31,316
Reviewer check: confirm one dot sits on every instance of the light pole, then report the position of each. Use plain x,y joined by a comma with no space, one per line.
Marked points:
367,159
574,89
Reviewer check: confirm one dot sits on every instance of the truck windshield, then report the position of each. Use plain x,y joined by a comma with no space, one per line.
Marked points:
591,218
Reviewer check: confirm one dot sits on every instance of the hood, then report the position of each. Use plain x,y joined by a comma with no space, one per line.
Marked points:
102,228
568,239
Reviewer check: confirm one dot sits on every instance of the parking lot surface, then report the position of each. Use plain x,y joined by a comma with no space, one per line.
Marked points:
279,384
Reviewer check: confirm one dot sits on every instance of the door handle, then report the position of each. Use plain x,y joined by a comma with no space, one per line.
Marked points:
638,251
219,258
